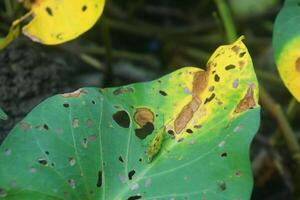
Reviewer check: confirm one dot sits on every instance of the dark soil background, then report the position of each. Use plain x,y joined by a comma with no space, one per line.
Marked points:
139,40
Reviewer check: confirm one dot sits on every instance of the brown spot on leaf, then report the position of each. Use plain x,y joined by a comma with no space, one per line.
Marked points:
241,64
123,90
236,49
298,65
186,114
76,93
247,102
25,126
143,115
199,83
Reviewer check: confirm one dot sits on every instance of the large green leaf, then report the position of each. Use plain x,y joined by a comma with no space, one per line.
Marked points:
286,43
184,136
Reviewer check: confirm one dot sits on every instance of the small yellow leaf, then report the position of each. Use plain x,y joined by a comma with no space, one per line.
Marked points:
55,22
288,64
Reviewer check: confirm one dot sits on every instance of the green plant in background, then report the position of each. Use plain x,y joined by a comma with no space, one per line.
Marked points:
55,22
185,135
3,116
286,43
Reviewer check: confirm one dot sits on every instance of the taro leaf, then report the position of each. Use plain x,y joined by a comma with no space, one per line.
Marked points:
54,22
286,43
3,115
184,136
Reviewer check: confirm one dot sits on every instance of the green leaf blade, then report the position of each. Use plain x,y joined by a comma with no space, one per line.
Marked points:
92,144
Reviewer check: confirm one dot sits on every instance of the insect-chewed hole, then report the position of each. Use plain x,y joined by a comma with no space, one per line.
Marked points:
49,11
46,127
99,181
84,8
122,118
229,67
224,155
66,105
121,159
217,78
190,131
163,93
130,174
146,130
43,161
135,197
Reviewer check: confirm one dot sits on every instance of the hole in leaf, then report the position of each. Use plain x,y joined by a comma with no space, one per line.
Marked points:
146,130
190,131
84,8
99,181
66,105
163,93
171,132
134,197
121,159
209,99
122,118
242,54
46,127
93,102
229,67
130,174
217,78
49,11
224,155
42,161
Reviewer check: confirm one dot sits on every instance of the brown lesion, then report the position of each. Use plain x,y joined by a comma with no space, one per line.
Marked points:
247,102
297,65
76,93
143,116
200,83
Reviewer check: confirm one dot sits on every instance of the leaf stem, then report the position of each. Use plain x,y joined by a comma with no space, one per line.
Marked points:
227,19
276,111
